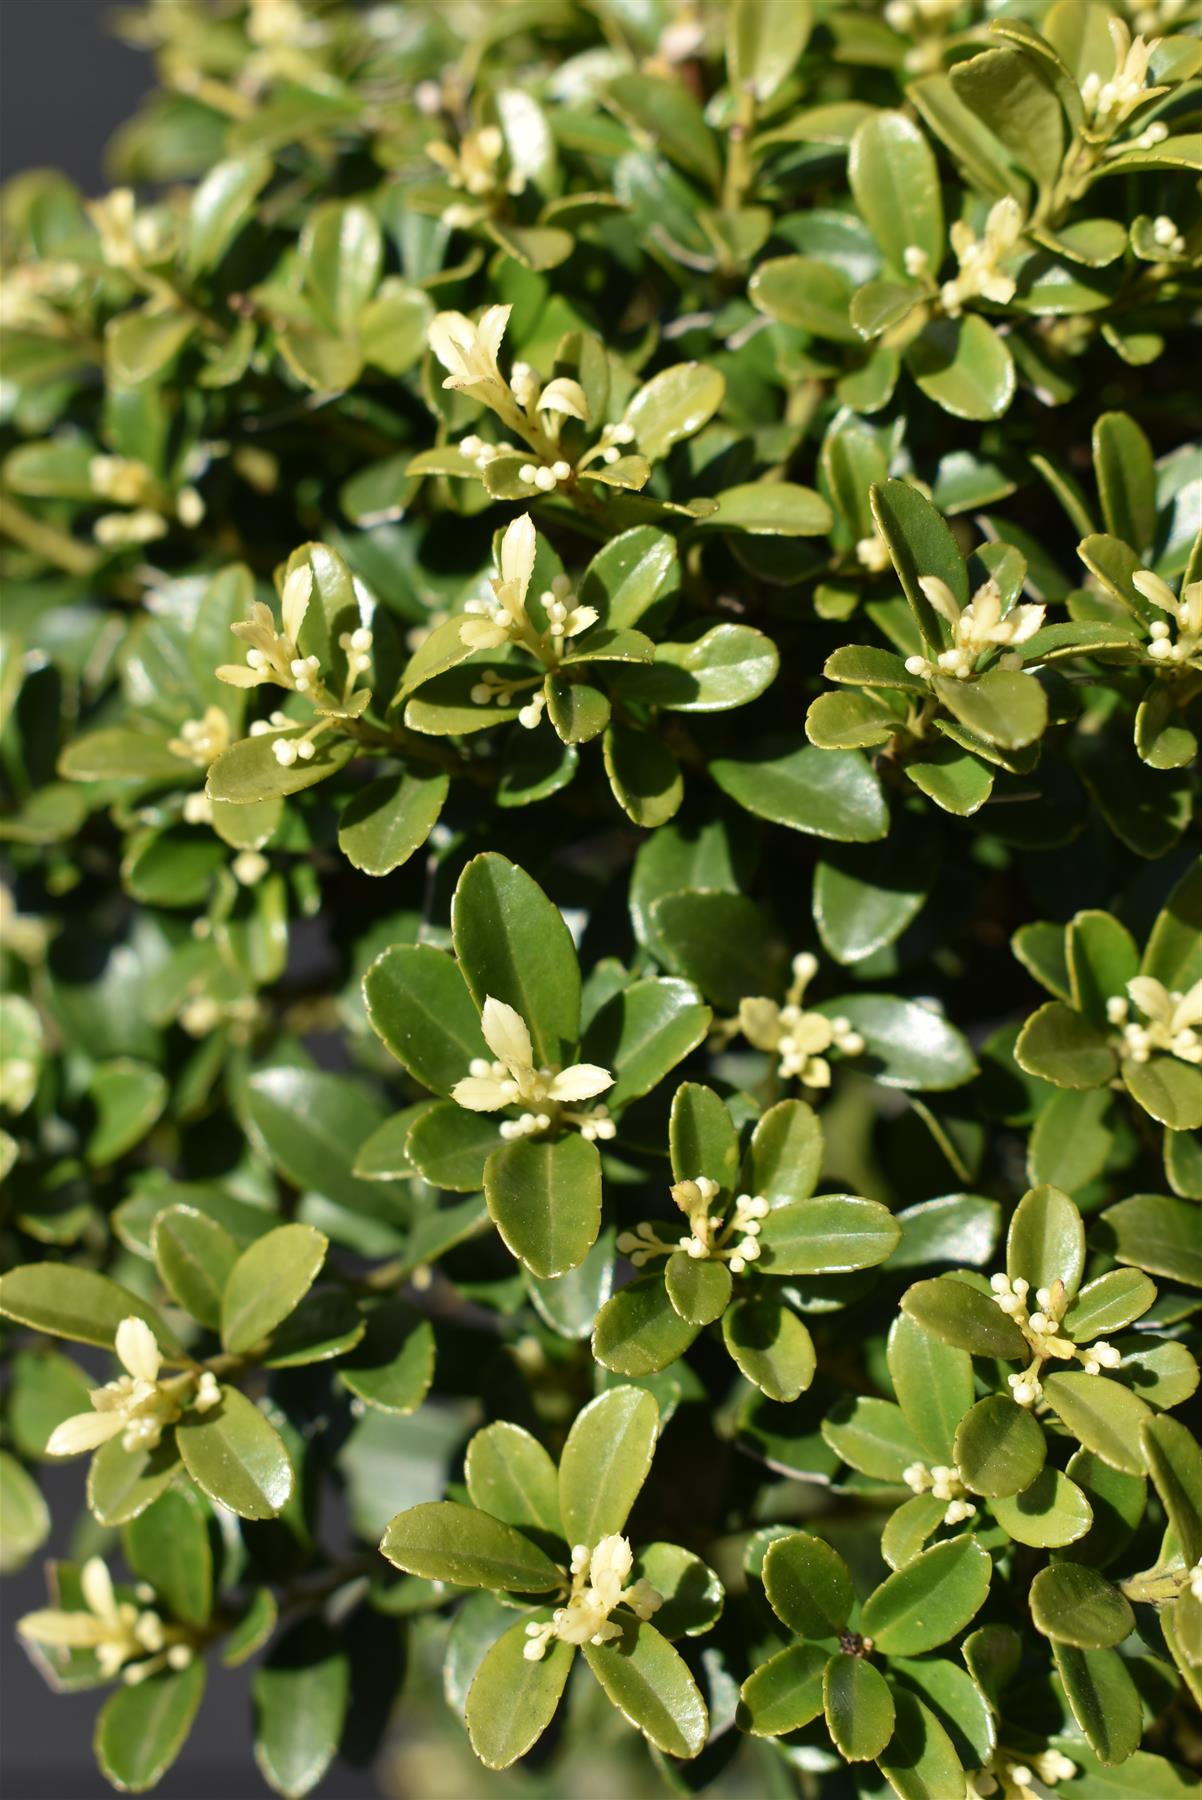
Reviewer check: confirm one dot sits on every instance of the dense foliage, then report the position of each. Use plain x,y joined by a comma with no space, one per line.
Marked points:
603,991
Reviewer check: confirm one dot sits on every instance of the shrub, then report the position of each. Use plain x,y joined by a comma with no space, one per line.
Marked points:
602,656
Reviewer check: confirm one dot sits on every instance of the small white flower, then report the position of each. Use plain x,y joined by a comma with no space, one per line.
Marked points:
978,628
468,352
980,258
513,1076
600,1579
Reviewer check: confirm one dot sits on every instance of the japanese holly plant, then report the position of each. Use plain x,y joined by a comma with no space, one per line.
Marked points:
600,689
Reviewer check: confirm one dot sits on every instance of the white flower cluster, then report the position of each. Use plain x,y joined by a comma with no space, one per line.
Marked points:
1185,612
120,1635
505,619
1042,1332
137,1406
980,258
599,1586
1170,1024
1009,1778
977,628
1166,235
942,1483
1109,103
712,1236
201,741
799,1039
512,1079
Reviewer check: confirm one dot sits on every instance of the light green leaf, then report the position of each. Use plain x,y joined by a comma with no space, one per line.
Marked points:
929,1600
605,1462
651,1687
511,1700
545,1200
858,1706
268,1282
808,1585
1104,1415
444,1541
826,793
511,1476
141,1730
300,1696
236,1457
999,1447
893,176
827,1235
771,1347
513,945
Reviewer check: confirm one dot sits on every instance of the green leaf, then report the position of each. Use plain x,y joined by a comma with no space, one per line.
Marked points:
643,1033
784,1158
803,292
1061,1046
545,1200
929,1600
312,1124
141,1730
827,1235
142,346
248,772
577,711
920,543
953,1696
194,1256
725,943
1168,1090
268,1282
920,1761
512,944
639,1331
808,1585
630,574
511,1476
771,1347
895,181
392,1366
1072,1139
128,1098
962,1315
1003,706
221,207
605,1462
702,1137
1073,1604
1014,97
764,39
1103,1698
1102,958
964,366
68,1302
784,1693
512,1701
419,1005
865,899
729,666
1108,1303
955,1228
651,1687
300,1697
1046,1241
692,1594
673,405
933,1384
999,1447
168,1546
858,1706
1104,1415
826,793
123,1483
669,114
1172,947
1052,1512
444,1541
906,1044
451,1146
771,509
873,1436
643,774
699,1290
955,780
389,819
24,1515
236,1457
1156,1233
1126,477
1175,1463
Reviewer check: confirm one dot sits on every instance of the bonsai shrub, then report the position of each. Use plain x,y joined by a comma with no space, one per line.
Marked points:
602,1033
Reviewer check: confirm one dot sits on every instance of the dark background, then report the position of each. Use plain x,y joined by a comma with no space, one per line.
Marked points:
65,85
